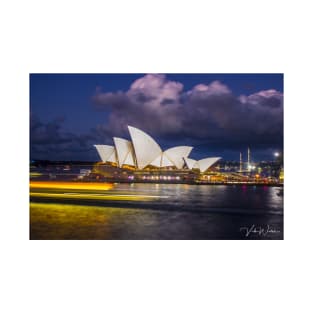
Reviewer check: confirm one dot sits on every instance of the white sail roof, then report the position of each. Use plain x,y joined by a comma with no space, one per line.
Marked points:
206,163
145,147
162,161
104,151
202,164
113,157
130,159
190,163
196,165
166,161
143,150
124,150
176,155
157,161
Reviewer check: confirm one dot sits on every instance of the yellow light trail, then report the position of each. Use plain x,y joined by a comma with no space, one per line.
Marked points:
71,185
35,174
94,196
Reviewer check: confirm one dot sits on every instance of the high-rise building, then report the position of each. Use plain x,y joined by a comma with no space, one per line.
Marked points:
240,162
249,160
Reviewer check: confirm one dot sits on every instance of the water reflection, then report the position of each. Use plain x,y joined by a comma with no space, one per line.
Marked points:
158,211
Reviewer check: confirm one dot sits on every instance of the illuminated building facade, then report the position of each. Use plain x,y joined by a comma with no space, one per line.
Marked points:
143,152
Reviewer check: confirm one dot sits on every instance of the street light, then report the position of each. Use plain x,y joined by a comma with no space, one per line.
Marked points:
277,164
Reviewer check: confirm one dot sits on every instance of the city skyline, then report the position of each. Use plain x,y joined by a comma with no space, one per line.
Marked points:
218,114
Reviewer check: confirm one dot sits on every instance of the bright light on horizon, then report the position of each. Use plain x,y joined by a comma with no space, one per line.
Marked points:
276,154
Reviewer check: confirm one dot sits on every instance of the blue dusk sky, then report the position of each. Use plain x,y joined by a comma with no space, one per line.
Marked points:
217,114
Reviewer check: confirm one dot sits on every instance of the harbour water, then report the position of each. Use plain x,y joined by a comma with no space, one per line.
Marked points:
158,211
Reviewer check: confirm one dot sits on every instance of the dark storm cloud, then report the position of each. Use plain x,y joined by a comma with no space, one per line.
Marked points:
205,114
51,141
49,133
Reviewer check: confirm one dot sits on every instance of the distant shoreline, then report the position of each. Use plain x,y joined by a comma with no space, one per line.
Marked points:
173,183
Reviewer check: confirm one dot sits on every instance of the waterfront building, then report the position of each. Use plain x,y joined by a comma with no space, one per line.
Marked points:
142,152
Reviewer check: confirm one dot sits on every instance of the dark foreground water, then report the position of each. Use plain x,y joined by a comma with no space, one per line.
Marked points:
156,211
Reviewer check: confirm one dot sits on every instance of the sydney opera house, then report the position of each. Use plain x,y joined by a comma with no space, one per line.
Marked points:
142,152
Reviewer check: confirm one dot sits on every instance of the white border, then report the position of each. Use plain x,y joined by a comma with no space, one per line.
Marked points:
140,36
